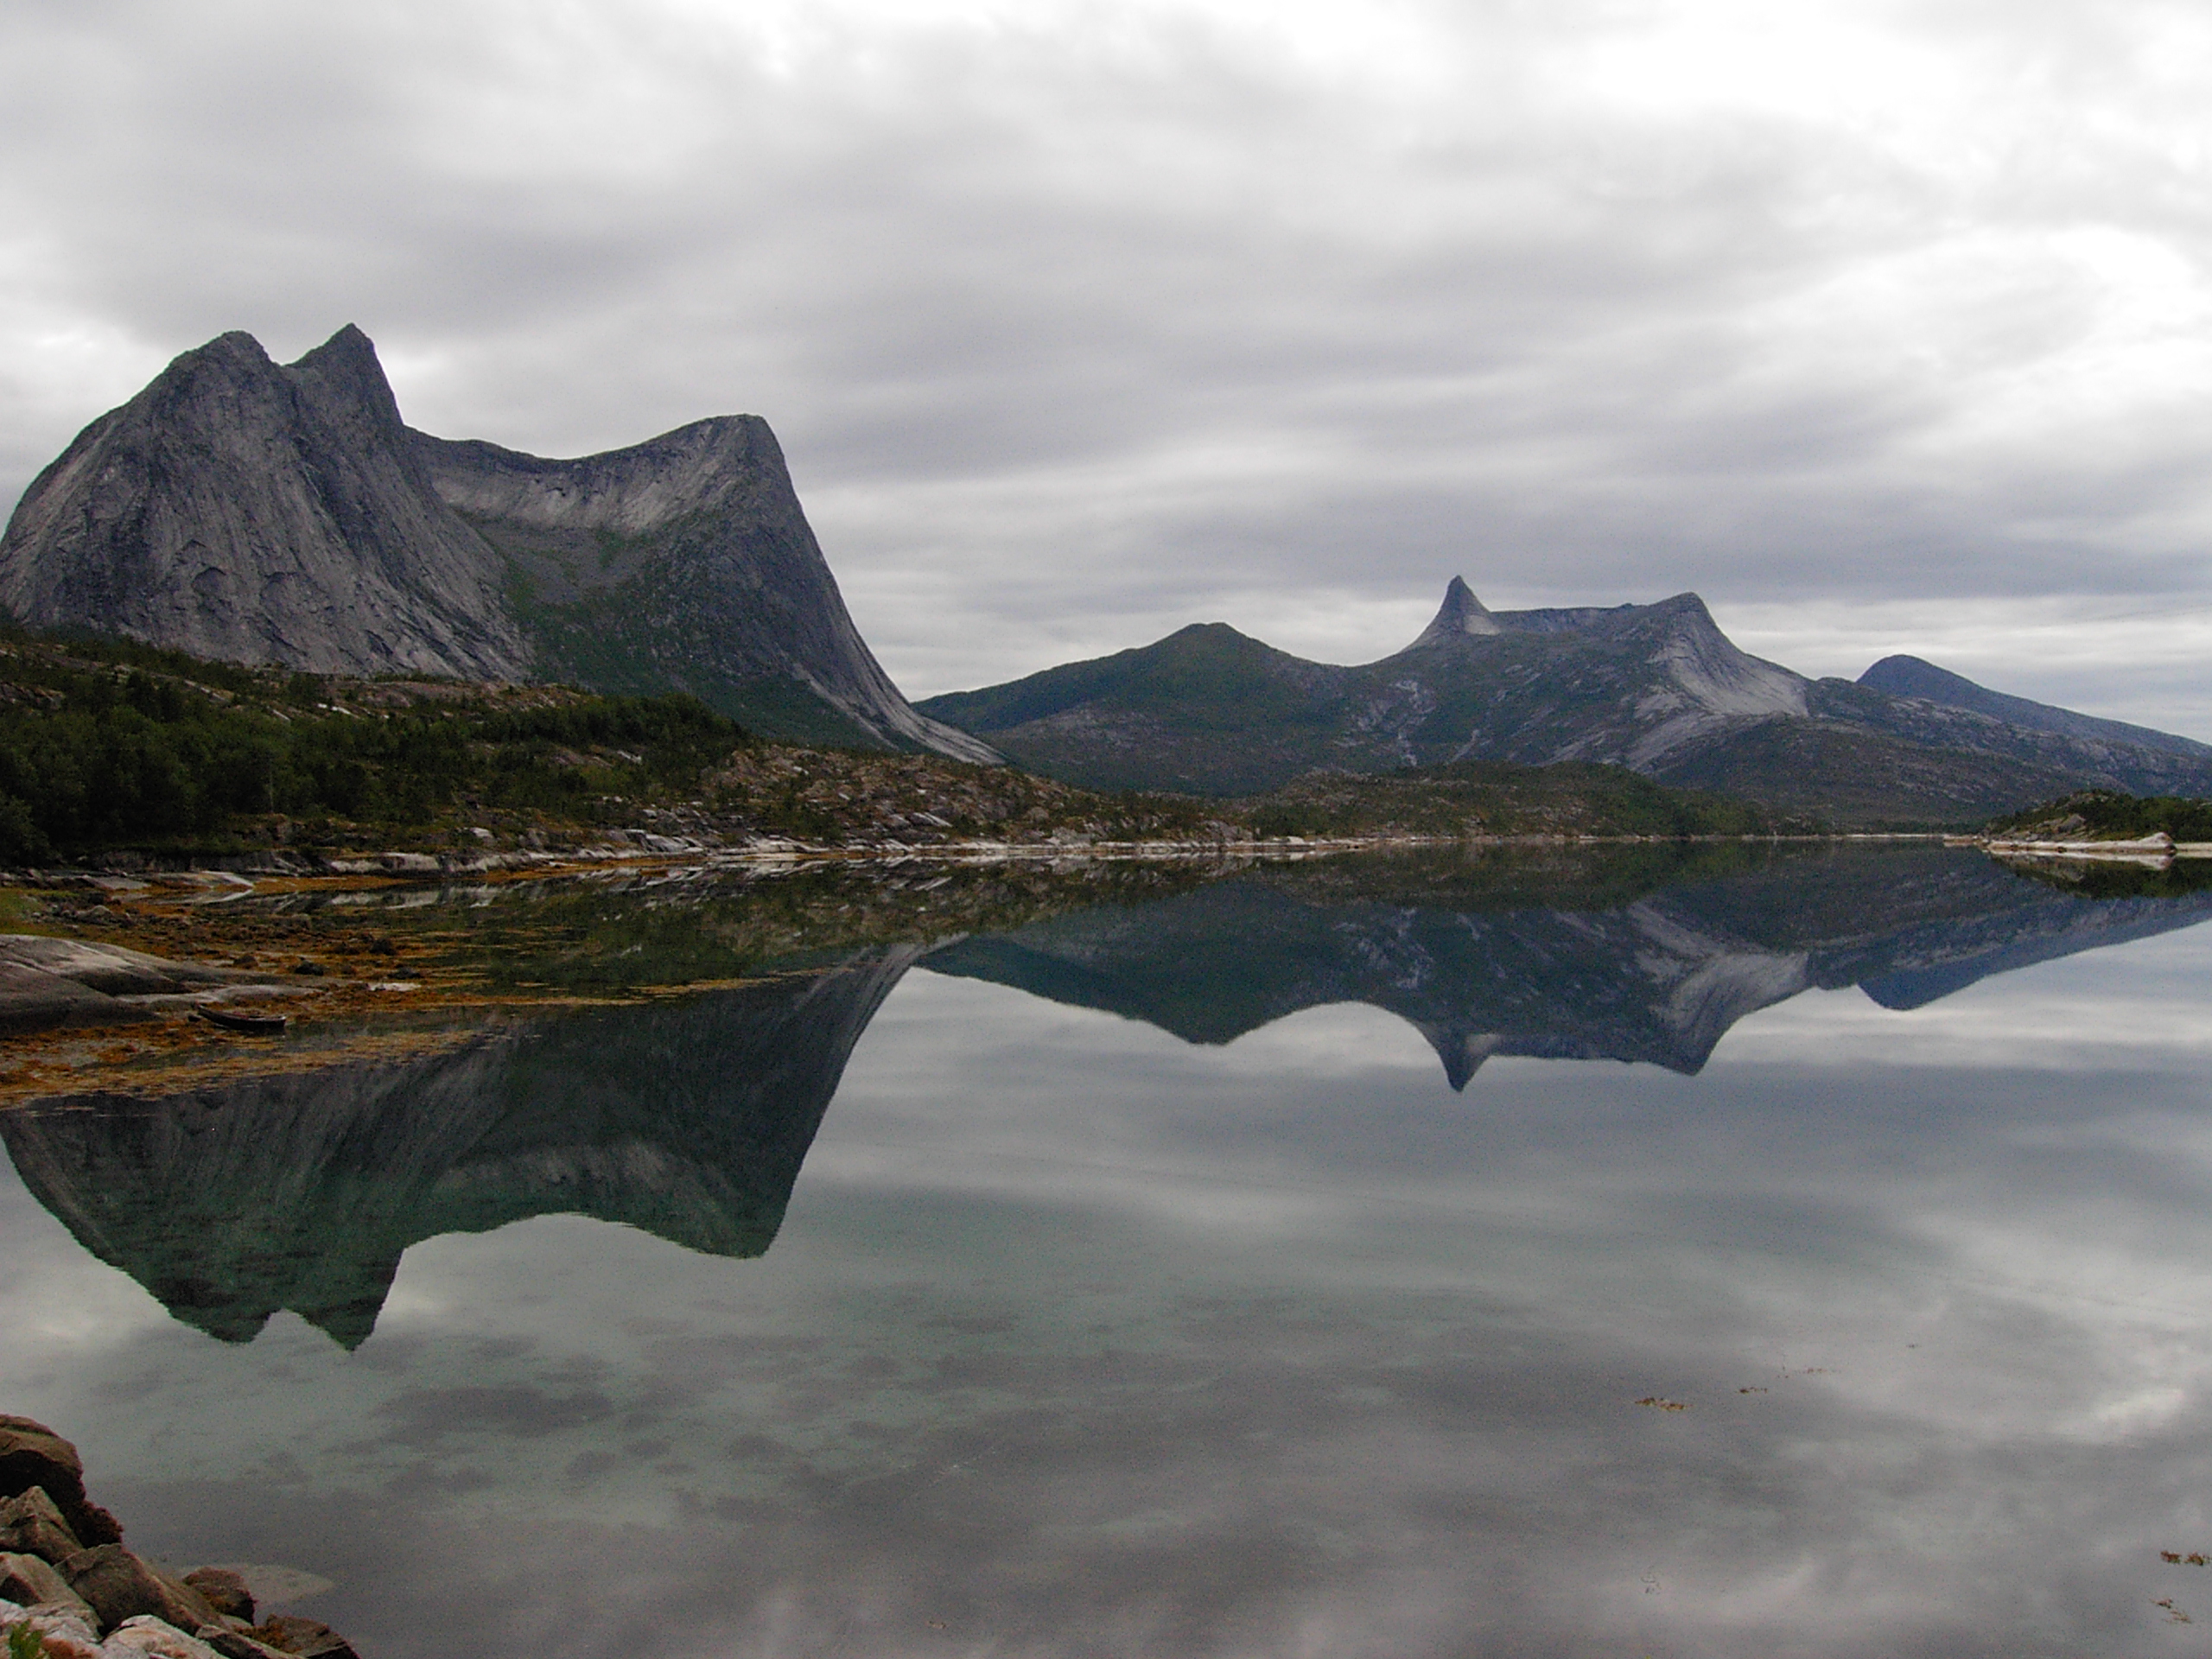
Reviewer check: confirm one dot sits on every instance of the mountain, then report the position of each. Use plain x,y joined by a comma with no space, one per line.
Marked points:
1913,677
1208,709
241,509
1658,689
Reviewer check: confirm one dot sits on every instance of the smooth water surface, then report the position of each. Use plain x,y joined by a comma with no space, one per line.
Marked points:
1806,1257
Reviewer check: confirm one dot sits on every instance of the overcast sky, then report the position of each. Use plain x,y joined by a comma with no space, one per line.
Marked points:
1883,328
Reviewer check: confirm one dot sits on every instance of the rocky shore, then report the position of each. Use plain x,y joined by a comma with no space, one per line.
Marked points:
70,1589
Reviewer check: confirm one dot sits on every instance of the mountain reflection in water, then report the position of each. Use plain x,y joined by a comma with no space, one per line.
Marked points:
689,1119
1559,968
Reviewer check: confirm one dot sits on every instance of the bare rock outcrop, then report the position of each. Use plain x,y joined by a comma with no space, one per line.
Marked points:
259,512
241,509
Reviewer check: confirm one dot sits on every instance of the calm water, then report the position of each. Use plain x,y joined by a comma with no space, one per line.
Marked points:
1274,1268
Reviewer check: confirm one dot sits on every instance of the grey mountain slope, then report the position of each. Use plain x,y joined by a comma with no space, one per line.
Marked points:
685,561
1917,678
243,509
1656,688
1210,709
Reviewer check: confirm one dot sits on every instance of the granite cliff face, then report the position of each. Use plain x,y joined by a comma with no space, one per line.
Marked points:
257,512
685,562
243,509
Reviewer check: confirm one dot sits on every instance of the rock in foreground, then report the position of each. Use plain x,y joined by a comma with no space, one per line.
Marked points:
101,1600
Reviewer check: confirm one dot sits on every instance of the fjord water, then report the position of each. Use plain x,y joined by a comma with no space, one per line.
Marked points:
1760,1254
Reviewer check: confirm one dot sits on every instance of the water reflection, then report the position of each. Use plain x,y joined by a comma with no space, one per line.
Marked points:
688,1121
1082,1336
1652,959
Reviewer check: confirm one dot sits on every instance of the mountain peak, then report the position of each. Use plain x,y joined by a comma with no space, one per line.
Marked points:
1460,615
344,380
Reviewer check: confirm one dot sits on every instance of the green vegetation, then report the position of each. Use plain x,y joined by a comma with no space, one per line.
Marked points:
107,747
2106,815
637,627
109,744
1493,798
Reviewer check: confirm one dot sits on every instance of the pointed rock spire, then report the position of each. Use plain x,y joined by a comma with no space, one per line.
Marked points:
1461,614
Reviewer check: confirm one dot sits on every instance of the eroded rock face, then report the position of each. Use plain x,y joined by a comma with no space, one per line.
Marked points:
242,509
226,1591
156,1638
260,513
307,1637
683,562
32,1582
65,1603
117,1585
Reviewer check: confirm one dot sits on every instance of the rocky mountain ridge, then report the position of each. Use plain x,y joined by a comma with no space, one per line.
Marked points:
1916,678
241,509
285,514
1657,688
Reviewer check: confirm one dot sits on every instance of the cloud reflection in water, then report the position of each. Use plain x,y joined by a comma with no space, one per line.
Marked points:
1080,1339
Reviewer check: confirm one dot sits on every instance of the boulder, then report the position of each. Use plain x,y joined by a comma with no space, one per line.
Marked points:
304,1638
62,1634
120,1587
31,1454
155,1638
237,1644
108,968
226,1591
33,1582
31,1525
34,1000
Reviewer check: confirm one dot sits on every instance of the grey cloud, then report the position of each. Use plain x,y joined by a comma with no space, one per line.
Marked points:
1129,317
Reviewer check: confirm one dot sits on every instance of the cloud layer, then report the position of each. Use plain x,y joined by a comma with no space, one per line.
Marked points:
1876,325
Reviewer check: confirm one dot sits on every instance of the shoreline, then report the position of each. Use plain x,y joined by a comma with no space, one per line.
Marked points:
234,875
106,975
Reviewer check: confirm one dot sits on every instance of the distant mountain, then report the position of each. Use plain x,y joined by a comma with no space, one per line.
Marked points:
1912,677
1658,689
260,513
1208,709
